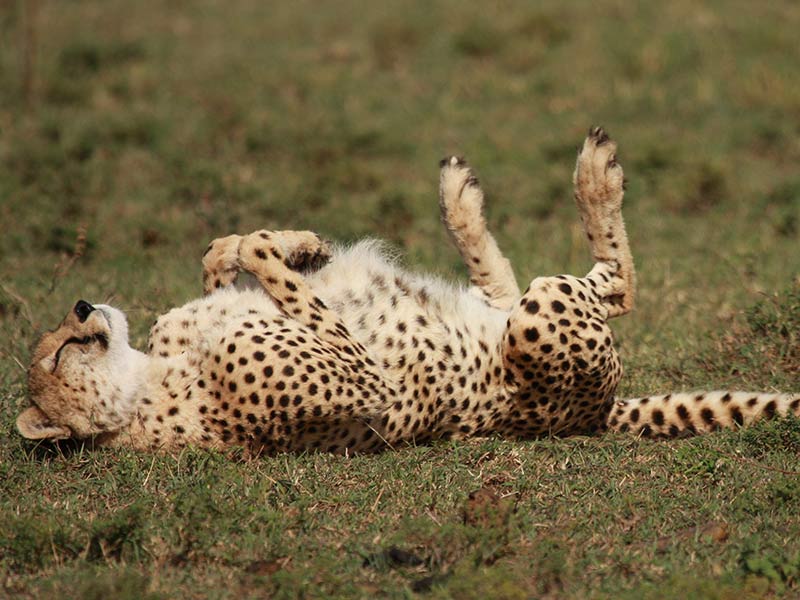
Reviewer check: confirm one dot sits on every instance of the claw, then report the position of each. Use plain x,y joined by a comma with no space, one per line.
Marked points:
599,135
453,161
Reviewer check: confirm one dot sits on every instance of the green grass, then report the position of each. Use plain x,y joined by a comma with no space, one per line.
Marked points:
153,127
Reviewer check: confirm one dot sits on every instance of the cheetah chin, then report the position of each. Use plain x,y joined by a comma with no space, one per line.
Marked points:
339,349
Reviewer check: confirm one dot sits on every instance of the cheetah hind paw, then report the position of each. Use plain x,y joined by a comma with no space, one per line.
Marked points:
598,178
460,194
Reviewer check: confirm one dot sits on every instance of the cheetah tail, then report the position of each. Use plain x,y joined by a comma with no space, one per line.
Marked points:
687,413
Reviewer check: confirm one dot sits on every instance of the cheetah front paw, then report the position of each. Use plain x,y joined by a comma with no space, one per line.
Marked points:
598,178
305,251
221,263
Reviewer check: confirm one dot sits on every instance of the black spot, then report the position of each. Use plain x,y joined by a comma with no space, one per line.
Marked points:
634,415
565,287
658,417
558,307
707,415
683,413
531,334
736,416
532,307
769,409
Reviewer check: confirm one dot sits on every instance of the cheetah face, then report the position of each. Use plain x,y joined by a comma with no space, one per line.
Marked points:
81,378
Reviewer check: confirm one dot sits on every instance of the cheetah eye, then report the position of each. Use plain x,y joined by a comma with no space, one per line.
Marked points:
99,338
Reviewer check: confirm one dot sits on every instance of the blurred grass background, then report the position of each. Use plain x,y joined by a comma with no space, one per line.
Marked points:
132,133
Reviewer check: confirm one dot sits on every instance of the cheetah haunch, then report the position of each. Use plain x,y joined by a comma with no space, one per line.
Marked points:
358,355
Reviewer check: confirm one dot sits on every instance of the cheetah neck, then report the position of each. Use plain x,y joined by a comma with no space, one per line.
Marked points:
164,405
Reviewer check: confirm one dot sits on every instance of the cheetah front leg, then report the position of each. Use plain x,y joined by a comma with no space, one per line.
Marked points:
263,255
348,405
599,188
304,251
461,206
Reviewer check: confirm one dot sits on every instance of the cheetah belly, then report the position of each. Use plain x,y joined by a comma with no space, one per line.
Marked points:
437,343
273,383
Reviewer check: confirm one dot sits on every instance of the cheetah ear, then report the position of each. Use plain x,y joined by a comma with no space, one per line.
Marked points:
33,424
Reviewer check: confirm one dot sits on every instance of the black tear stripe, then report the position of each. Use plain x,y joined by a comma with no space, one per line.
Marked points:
101,338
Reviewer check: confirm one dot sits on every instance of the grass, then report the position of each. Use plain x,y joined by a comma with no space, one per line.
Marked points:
151,128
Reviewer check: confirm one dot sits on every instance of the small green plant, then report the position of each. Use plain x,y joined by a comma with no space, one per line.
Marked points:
781,568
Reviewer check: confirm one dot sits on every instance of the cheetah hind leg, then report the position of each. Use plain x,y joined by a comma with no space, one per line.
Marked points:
461,205
304,252
599,188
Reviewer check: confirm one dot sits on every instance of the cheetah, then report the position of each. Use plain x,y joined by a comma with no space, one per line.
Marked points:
341,350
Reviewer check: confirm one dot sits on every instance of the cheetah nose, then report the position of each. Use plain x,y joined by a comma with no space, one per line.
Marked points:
82,310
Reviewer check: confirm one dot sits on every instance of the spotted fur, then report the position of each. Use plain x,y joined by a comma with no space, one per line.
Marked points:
341,350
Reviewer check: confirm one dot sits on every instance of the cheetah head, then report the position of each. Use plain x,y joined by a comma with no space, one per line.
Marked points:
82,376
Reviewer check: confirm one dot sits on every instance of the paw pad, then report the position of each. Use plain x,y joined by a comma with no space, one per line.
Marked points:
598,135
